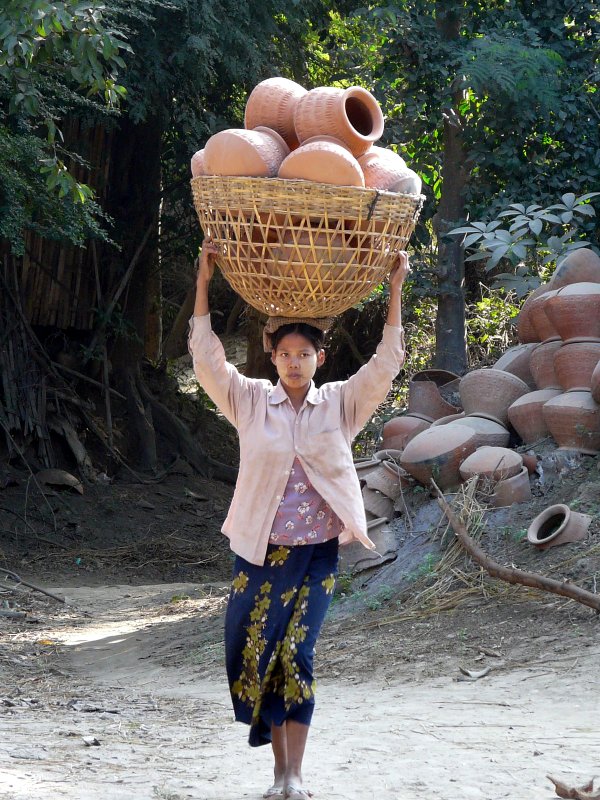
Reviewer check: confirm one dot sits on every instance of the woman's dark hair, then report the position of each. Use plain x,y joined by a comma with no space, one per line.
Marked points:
315,336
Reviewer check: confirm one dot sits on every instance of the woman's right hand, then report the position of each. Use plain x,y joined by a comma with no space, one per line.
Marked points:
207,259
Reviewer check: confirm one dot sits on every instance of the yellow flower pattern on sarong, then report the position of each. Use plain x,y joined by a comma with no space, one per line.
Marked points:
247,687
278,557
239,583
329,584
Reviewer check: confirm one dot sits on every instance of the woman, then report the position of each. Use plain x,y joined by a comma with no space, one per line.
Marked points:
297,496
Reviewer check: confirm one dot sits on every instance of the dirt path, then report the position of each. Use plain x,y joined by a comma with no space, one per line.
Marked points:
129,677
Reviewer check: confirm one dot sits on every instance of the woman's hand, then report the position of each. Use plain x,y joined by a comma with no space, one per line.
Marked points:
399,272
206,261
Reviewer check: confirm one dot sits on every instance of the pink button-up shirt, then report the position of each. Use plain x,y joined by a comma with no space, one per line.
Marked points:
272,435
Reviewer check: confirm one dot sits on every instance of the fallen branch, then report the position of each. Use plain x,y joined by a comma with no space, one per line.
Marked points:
20,582
509,574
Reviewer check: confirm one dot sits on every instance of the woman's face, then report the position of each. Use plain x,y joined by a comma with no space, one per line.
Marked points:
296,361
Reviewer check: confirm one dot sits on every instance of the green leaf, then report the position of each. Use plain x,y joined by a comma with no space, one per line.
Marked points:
535,226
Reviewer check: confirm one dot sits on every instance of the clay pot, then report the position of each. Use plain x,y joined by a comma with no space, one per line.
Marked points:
325,160
525,330
557,525
579,266
494,463
272,103
364,466
381,167
398,431
437,453
512,490
595,383
257,153
388,454
530,460
424,398
573,419
542,325
386,479
488,432
197,164
525,414
408,183
574,364
516,361
575,311
541,364
489,393
446,420
377,504
352,115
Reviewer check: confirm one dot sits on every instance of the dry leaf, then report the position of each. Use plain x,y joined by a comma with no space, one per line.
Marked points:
470,675
58,477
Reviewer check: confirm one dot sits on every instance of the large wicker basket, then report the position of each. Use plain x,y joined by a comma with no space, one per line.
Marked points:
303,249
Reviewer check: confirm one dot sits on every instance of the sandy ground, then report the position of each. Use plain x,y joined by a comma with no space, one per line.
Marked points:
127,678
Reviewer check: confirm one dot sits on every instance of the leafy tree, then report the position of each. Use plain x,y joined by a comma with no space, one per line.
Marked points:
484,99
56,59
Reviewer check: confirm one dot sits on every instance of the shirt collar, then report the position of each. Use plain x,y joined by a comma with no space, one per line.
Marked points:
279,395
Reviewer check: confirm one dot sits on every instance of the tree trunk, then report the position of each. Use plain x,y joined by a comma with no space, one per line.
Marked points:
175,345
258,363
134,202
451,351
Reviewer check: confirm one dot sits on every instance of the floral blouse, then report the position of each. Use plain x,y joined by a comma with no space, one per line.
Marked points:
303,517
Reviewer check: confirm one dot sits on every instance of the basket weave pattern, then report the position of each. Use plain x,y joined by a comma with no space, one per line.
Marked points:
299,248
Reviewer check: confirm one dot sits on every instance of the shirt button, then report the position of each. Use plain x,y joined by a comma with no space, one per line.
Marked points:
277,497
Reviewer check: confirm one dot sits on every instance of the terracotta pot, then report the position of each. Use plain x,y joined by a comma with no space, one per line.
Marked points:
197,164
494,463
257,153
516,361
446,420
377,504
558,525
575,311
381,167
573,419
541,364
531,461
388,454
398,431
437,453
409,183
325,160
512,490
386,479
579,266
424,398
364,466
595,383
542,325
352,115
272,103
525,330
525,414
574,364
488,432
489,392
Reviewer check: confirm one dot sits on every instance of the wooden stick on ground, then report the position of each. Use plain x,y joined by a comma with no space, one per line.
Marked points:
19,581
509,574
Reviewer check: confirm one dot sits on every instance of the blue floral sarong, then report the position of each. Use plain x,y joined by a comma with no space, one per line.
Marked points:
274,616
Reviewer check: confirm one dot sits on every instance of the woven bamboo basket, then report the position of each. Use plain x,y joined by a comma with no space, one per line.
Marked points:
299,248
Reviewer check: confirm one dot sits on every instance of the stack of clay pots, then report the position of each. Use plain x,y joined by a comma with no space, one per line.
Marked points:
325,135
563,316
549,384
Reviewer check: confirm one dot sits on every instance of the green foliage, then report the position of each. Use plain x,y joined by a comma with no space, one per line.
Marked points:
490,325
54,57
535,237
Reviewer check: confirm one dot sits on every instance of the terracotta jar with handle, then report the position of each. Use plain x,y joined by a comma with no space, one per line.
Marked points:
352,115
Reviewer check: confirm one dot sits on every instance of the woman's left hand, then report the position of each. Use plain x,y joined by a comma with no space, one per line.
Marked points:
399,272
